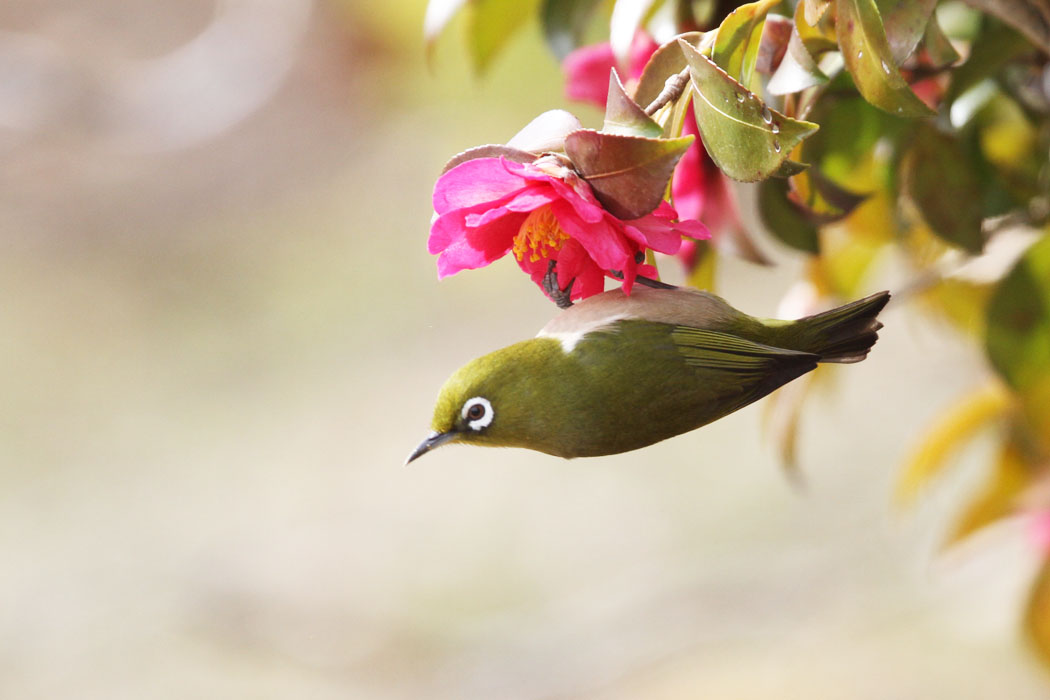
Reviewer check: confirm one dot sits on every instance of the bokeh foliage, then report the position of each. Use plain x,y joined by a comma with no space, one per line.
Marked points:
919,129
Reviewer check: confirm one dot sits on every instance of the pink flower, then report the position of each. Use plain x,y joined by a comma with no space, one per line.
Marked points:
699,189
543,211
587,69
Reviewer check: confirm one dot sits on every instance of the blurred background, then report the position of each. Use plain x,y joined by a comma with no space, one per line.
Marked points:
221,334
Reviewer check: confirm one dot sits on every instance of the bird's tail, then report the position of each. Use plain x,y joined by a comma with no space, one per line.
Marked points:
844,335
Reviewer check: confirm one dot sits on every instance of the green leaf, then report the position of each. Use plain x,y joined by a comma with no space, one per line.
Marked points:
438,14
995,47
815,10
624,116
784,220
666,61
818,35
627,17
797,70
905,23
629,174
938,48
1018,321
822,200
738,39
564,23
940,180
492,23
745,138
869,60
776,33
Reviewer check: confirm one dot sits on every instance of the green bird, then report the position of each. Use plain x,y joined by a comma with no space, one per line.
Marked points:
614,373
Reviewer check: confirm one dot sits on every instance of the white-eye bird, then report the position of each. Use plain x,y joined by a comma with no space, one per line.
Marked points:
615,373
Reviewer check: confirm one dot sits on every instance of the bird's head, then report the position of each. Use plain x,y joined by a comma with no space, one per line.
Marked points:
492,400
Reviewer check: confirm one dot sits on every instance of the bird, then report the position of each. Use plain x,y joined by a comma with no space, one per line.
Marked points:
616,372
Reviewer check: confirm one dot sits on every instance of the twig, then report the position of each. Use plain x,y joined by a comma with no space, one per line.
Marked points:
673,89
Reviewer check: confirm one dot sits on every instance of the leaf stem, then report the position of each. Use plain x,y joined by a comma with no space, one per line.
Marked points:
673,89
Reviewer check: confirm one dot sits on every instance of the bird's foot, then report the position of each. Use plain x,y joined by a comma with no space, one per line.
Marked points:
561,297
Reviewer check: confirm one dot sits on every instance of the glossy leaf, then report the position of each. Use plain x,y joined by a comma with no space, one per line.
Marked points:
564,23
938,47
736,44
492,24
624,116
1018,333
815,10
870,61
666,61
629,174
940,181
822,200
819,35
783,218
1037,613
1030,17
744,137
627,18
905,23
776,32
991,50
438,14
797,70
954,429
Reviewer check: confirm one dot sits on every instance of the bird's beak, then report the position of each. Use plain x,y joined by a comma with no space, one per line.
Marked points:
433,440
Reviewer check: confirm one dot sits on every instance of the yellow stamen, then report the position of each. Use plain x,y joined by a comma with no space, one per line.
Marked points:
539,235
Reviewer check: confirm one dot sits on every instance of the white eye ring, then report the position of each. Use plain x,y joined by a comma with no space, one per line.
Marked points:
484,419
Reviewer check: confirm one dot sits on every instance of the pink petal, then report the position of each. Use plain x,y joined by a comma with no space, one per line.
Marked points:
474,182
589,281
527,200
571,259
604,244
692,229
461,256
587,73
642,50
586,206
654,233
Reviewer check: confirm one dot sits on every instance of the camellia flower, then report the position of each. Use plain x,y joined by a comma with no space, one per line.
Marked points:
699,189
542,212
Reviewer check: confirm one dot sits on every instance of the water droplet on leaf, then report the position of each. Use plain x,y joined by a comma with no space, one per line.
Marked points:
885,67
740,97
776,145
767,116
775,128
860,54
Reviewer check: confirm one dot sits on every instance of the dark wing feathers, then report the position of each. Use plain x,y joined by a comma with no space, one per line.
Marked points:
743,371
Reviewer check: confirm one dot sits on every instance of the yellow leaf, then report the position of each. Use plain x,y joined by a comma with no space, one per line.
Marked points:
997,498
1037,614
960,424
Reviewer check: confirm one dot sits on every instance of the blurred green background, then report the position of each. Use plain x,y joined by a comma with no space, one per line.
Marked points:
221,333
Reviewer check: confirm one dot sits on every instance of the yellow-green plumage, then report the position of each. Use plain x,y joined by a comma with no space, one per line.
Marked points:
616,373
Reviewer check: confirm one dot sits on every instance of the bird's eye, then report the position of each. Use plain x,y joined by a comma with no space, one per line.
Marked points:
478,413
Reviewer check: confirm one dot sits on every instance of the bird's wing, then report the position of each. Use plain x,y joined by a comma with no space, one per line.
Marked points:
745,370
